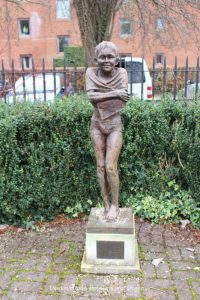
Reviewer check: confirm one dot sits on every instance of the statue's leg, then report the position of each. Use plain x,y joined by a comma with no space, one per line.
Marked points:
99,144
114,144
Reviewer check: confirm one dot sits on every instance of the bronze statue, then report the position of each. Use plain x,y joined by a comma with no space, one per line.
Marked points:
106,87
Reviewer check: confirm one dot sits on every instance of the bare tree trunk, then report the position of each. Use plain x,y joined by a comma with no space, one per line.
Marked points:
96,18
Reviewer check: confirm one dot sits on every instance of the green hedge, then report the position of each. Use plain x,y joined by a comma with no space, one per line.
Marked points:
47,164
72,54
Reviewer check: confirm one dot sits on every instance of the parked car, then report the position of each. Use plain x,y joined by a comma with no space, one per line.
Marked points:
24,90
191,90
138,75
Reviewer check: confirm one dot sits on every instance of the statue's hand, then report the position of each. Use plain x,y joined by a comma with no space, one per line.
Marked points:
123,94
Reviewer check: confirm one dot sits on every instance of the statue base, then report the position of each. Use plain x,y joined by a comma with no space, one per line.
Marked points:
111,247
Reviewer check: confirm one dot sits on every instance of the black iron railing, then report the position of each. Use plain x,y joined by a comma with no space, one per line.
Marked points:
147,83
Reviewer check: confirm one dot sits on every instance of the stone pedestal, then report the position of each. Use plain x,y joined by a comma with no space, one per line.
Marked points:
111,247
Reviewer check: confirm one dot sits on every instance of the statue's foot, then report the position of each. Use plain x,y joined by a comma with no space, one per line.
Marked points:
113,213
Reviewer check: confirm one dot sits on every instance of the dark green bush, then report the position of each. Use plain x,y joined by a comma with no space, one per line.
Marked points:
58,62
47,164
75,53
72,54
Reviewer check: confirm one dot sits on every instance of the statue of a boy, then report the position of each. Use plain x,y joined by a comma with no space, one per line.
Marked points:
106,87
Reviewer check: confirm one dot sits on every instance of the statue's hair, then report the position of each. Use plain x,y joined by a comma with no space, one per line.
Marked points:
103,45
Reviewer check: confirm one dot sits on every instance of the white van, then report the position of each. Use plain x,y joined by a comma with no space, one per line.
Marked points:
28,90
139,79
191,90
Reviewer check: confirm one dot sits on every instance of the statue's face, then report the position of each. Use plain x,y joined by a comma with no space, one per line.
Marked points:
106,60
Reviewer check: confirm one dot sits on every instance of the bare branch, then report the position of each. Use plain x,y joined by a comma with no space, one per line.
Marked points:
96,18
180,20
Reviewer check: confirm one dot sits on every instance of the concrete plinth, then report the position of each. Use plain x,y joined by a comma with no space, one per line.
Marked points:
111,247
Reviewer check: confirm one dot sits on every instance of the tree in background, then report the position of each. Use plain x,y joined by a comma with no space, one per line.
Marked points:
177,20
96,19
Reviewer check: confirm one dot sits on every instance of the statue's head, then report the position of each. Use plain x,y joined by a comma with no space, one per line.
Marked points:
103,45
106,56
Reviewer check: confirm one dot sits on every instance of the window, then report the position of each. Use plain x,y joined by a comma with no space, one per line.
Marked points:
24,27
26,60
124,27
159,58
62,41
62,9
134,70
159,24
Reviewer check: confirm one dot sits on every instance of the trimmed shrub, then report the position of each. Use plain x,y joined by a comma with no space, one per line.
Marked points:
47,164
75,53
72,54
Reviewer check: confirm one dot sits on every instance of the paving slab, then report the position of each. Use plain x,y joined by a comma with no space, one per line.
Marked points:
45,265
183,290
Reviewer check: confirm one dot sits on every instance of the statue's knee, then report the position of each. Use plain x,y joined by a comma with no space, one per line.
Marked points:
100,169
110,169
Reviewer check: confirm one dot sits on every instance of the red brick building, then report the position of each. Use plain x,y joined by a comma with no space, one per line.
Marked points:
41,31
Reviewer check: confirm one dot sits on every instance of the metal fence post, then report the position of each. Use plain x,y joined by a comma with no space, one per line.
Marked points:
13,80
33,74
3,79
44,81
64,71
175,77
186,77
142,78
2,73
23,80
13,75
75,77
131,77
153,77
197,79
164,77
